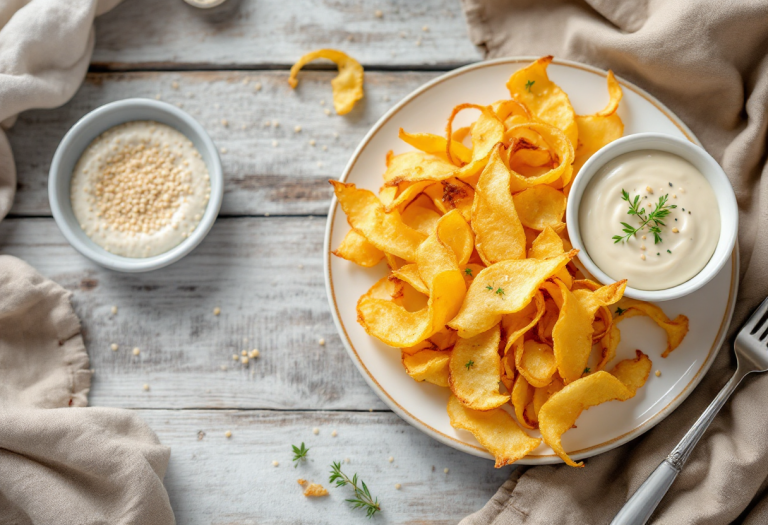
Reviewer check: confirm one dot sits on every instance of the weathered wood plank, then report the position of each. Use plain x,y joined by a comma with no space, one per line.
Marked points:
255,34
266,276
219,480
288,178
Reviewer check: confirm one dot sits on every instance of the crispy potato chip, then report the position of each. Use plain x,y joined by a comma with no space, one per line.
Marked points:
357,249
608,345
544,98
633,372
675,328
549,244
517,324
522,395
437,145
457,235
541,395
541,206
475,369
420,217
443,339
348,84
615,94
486,131
572,334
416,166
504,288
387,194
605,126
452,194
410,191
548,321
495,430
558,144
470,270
428,365
386,231
536,362
410,274
498,230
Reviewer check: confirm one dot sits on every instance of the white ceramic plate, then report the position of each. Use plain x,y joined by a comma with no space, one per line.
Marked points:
424,405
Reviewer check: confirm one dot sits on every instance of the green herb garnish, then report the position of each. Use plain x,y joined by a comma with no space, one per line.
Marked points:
299,454
468,271
586,370
489,288
500,292
470,364
620,311
363,498
652,220
529,84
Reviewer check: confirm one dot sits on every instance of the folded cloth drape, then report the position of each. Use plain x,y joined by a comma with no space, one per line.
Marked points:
708,61
60,462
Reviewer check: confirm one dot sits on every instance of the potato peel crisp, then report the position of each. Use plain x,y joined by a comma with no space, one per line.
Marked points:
347,85
495,430
481,288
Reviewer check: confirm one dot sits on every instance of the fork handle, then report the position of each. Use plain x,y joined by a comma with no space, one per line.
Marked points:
644,501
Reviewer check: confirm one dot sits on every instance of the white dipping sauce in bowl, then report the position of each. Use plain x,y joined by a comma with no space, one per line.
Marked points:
688,236
139,189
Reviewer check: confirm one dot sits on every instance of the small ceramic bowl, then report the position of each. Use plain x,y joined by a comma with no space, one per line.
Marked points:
82,134
701,160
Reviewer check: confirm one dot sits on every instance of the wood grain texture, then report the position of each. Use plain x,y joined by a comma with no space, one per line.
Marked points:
215,480
266,276
267,169
258,34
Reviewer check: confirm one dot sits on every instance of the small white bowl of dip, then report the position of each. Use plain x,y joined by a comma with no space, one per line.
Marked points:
91,127
593,208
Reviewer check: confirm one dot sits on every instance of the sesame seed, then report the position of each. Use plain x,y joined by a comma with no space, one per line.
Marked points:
274,143
114,347
223,150
244,352
675,230
136,351
658,373
327,111
397,486
114,310
145,387
244,360
224,122
175,85
322,102
378,13
321,341
418,42
228,434
254,353
335,134
674,196
643,237
334,434
216,311
243,126
346,460
245,81
642,247
257,86
235,357
642,257
445,470
319,163
223,368
157,97
276,123
325,148
312,142
649,189
315,431
297,129
425,29
275,463
267,123
391,459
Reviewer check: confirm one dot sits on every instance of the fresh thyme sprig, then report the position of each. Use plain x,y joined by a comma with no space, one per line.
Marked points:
470,364
529,84
363,498
299,454
653,219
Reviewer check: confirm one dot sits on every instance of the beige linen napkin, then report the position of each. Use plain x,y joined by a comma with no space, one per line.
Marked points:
708,61
60,462
45,47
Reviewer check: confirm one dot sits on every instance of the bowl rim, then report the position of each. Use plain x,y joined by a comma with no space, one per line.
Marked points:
687,150
97,117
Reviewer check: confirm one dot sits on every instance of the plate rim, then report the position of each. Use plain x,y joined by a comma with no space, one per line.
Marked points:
479,451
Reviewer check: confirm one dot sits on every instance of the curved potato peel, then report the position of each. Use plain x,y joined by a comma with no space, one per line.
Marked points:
676,328
536,362
496,430
357,249
437,145
347,85
428,365
522,395
475,371
557,143
540,207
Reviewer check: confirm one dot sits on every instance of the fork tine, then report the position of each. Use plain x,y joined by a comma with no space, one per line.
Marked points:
758,318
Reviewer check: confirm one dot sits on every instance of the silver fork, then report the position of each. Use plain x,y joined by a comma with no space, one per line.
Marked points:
751,348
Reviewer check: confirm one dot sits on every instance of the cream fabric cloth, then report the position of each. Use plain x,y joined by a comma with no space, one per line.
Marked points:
708,61
59,462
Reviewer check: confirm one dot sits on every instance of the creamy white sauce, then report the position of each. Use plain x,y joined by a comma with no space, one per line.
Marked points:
692,229
139,189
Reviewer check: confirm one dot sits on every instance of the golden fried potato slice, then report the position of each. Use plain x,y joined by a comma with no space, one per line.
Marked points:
541,395
409,192
517,324
503,288
386,231
420,217
347,85
357,249
605,126
563,408
428,365
549,244
496,430
557,143
498,231
675,328
452,194
437,145
544,98
475,371
522,395
608,345
560,412
416,166
572,334
410,274
457,235
541,206
536,362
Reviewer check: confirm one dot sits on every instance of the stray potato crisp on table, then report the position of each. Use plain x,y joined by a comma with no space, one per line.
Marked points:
483,296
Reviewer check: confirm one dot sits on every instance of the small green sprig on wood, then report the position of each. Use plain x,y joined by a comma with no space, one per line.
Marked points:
653,219
299,454
363,498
